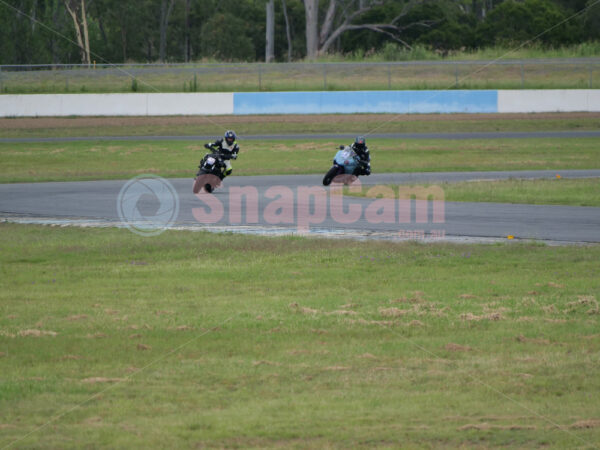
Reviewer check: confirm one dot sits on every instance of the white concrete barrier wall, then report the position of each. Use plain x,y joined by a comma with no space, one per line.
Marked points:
502,101
552,100
115,104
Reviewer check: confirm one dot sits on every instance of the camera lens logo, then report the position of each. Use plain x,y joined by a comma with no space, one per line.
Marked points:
147,205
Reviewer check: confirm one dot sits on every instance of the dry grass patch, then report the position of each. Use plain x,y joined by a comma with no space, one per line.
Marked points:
37,333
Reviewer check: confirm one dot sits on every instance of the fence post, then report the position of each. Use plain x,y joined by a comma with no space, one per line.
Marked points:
324,77
456,76
259,77
522,76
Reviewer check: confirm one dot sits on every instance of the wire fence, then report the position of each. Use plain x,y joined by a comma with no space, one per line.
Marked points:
571,73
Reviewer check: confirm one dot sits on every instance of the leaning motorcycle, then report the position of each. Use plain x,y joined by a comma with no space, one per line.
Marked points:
211,172
345,163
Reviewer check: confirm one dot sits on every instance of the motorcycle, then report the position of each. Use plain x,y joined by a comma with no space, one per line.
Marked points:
211,172
345,163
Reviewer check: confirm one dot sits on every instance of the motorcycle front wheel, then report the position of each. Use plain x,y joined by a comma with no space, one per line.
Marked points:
330,175
197,185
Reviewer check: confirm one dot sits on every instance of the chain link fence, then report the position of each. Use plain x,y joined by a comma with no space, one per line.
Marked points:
572,73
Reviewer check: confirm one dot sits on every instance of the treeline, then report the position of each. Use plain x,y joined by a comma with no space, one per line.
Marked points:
117,31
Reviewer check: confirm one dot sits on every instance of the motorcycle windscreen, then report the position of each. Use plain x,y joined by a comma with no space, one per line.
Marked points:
347,159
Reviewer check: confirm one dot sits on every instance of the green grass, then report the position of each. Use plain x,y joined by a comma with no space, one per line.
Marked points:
269,124
196,339
560,191
474,72
95,160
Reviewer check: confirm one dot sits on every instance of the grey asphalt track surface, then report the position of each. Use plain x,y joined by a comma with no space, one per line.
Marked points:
344,136
300,204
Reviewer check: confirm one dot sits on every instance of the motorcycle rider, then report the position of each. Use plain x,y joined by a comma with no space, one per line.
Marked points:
227,148
364,157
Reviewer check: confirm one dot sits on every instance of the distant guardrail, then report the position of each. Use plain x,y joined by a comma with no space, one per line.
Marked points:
568,73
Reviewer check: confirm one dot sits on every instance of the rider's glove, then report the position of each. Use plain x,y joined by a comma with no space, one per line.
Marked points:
207,146
234,156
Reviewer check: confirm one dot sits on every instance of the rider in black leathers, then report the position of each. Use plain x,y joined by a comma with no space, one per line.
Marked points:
227,147
364,157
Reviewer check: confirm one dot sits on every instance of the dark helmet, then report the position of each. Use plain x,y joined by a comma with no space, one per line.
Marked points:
229,137
360,144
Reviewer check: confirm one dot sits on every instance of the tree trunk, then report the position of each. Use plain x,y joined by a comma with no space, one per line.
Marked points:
166,7
311,8
80,28
327,23
288,31
187,43
124,43
86,37
270,37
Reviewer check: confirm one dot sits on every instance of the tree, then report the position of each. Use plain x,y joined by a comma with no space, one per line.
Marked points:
223,38
344,15
270,32
76,9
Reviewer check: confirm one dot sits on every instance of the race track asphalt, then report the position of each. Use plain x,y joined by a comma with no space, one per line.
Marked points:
301,204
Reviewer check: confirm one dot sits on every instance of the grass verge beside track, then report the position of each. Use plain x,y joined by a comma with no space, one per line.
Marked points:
292,124
72,161
573,192
197,339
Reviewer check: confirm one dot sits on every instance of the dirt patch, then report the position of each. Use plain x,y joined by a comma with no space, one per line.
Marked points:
343,312
469,317
70,357
541,341
487,426
143,347
367,356
77,317
583,424
96,336
393,312
265,363
302,309
37,333
583,301
94,380
452,347
336,368
5,426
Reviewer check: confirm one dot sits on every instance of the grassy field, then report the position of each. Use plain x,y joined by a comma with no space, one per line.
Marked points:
390,70
94,160
288,124
559,191
108,339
